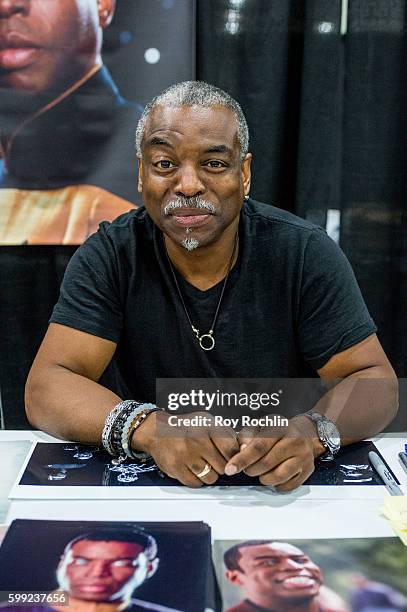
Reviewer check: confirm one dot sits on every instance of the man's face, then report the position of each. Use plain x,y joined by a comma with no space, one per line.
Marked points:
100,571
191,156
278,572
49,44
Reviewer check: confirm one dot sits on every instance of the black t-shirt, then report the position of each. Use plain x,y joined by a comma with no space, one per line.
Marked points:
291,302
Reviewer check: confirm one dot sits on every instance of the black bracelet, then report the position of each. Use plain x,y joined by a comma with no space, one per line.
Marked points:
117,427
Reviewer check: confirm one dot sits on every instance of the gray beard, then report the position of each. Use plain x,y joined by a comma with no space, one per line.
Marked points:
190,244
195,202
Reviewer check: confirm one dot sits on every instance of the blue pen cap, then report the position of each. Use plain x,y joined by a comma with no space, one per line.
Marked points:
405,449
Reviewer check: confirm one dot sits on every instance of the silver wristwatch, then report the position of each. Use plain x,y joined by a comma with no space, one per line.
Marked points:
328,434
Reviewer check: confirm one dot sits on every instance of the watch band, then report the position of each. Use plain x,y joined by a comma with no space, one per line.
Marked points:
328,433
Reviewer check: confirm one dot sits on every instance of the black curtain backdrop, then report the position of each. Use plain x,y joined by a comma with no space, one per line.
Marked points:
327,120
325,99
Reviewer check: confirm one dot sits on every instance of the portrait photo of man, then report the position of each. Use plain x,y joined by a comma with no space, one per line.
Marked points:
107,566
276,576
67,159
104,567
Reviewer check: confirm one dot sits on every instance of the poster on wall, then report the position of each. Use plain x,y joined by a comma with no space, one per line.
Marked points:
74,78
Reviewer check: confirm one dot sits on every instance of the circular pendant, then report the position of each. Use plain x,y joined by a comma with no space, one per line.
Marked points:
207,342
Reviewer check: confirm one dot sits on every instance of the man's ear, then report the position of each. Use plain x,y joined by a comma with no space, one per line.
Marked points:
234,576
106,12
152,567
246,172
140,180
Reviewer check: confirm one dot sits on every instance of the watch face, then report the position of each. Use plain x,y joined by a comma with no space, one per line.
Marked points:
331,432
329,435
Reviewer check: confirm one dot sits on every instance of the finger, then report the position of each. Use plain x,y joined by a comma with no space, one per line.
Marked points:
198,448
187,477
179,471
250,454
225,441
246,435
210,477
288,475
281,451
211,454
297,480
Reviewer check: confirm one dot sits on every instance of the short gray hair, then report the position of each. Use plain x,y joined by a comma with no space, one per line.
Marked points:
196,93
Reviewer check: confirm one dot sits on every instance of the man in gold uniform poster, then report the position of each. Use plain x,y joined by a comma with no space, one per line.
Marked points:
66,143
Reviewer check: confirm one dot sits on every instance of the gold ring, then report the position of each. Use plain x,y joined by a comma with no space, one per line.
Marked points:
205,471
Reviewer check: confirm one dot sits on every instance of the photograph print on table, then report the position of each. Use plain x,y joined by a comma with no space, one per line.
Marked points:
70,464
159,566
80,471
335,575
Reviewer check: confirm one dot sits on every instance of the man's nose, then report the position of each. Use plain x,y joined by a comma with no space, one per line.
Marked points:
189,183
98,568
11,7
289,564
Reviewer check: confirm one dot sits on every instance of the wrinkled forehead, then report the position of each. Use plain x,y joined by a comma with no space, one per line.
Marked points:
216,123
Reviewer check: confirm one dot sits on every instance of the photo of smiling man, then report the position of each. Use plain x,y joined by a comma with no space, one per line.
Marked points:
276,576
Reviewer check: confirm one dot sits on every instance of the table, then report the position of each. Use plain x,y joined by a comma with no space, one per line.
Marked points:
266,516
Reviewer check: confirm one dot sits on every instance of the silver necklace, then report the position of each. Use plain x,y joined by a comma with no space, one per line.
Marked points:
206,341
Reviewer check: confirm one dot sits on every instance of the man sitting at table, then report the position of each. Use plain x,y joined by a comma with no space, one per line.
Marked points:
204,282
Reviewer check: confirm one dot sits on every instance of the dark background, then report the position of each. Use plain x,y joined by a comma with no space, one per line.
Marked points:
184,550
327,117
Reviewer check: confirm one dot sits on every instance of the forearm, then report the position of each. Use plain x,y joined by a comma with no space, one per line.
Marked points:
362,404
68,405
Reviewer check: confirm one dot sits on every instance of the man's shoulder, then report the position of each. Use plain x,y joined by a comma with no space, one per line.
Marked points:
277,216
129,223
120,240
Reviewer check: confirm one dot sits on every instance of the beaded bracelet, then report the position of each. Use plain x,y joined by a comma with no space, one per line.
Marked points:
118,426
132,416
110,422
141,417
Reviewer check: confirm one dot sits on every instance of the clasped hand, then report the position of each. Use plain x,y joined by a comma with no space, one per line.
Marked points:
280,457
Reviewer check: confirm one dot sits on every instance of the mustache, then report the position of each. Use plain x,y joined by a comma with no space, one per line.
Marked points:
193,202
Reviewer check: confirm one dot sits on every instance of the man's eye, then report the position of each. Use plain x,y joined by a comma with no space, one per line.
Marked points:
123,563
215,163
164,164
79,561
267,563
